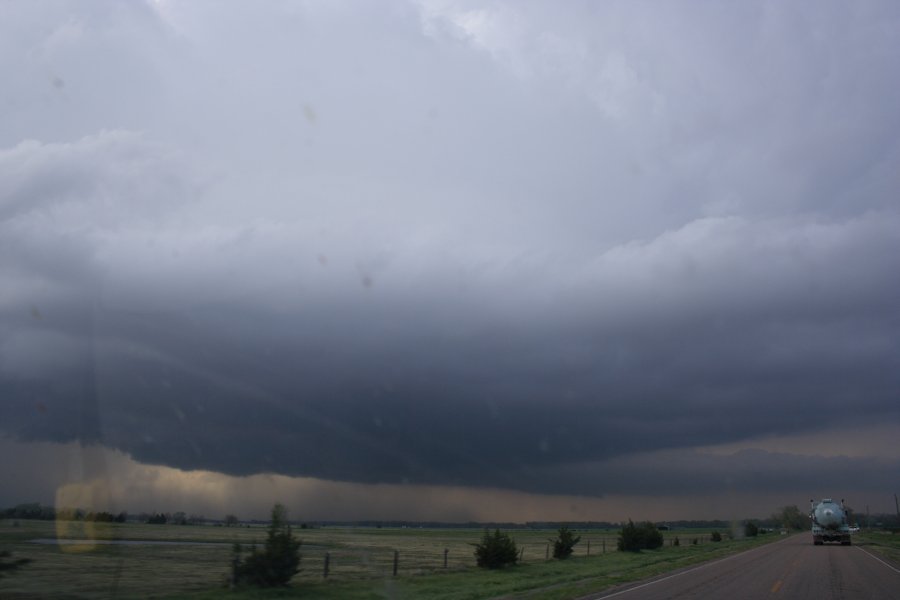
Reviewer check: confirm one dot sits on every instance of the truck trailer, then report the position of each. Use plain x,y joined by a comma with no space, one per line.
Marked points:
829,522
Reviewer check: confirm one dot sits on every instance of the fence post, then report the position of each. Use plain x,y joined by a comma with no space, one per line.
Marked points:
547,554
396,560
522,554
445,557
604,545
325,569
589,547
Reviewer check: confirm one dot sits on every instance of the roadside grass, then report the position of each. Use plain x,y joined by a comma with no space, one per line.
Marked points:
885,543
544,580
361,562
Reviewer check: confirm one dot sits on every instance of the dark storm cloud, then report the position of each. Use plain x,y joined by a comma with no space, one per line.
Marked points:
447,244
496,407
697,474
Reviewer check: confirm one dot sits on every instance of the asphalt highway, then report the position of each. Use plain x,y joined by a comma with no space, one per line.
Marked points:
791,568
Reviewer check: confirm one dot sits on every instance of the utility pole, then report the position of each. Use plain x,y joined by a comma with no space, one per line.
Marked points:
897,506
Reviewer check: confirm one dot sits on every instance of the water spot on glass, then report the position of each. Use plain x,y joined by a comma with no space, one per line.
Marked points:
310,113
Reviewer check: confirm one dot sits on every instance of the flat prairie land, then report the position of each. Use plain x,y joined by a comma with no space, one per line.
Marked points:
103,560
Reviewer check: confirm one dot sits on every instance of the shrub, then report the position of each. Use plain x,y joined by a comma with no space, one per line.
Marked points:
716,536
750,529
277,562
634,538
564,543
496,550
676,542
652,537
13,564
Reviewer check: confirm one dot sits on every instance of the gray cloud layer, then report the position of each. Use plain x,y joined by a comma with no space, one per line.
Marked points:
451,244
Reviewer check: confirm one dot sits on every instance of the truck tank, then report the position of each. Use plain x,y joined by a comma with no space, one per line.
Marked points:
829,522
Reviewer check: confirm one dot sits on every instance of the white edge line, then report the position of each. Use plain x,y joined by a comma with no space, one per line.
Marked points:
889,566
697,568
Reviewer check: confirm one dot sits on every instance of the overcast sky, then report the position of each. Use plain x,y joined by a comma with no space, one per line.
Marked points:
450,260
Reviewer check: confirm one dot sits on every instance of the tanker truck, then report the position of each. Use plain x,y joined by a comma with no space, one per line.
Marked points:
829,522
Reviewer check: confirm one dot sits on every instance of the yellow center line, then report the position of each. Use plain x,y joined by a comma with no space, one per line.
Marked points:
778,583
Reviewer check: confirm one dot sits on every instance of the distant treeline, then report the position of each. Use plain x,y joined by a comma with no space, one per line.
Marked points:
467,525
36,510
44,512
580,525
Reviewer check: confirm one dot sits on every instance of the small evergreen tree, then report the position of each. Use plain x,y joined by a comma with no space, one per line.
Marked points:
629,538
278,561
652,537
750,529
634,538
496,550
564,544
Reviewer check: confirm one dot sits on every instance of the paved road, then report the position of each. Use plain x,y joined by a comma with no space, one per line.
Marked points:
792,568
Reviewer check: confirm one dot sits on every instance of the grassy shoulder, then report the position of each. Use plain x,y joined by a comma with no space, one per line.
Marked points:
577,576
885,543
361,562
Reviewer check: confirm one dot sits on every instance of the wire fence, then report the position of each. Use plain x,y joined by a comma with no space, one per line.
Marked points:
367,561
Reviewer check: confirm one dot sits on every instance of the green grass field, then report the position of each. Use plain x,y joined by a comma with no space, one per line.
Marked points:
881,542
360,567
